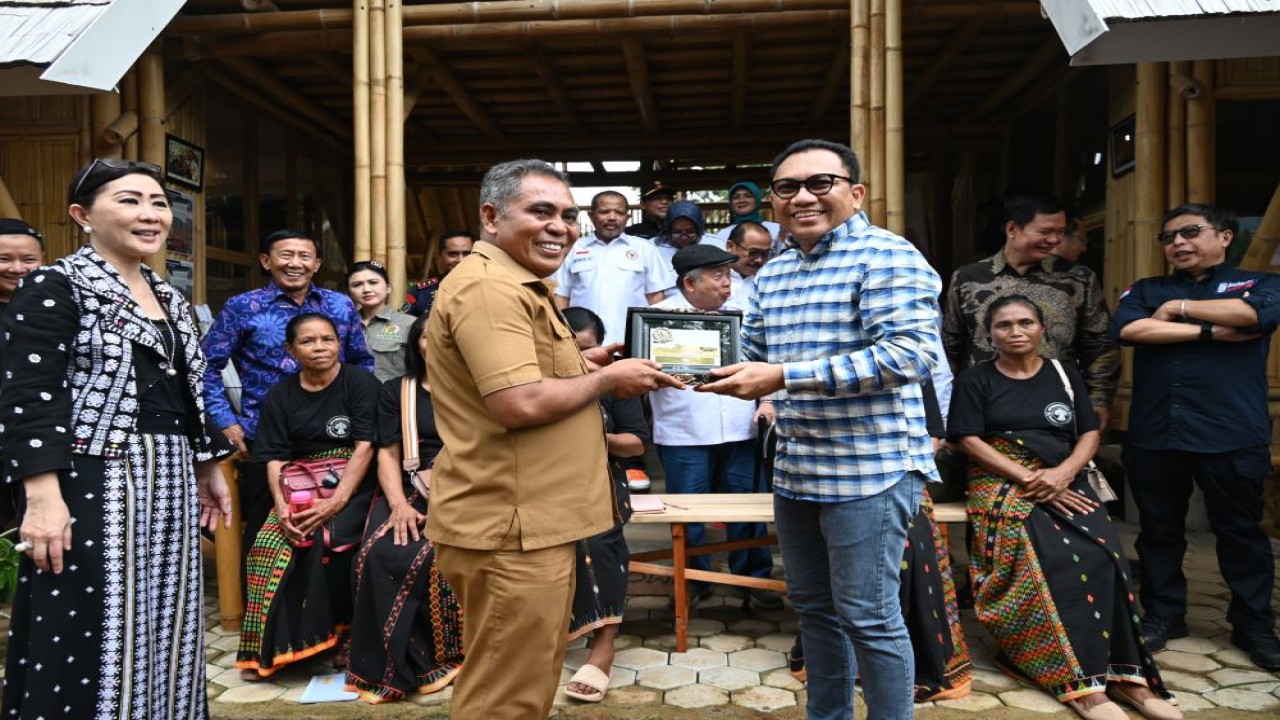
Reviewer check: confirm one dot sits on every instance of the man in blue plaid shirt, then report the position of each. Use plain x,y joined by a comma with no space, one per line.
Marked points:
845,321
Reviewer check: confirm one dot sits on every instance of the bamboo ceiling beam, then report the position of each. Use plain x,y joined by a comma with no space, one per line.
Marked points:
1046,86
738,92
945,58
744,147
255,74
1050,54
416,88
837,71
474,13
310,42
457,92
334,69
638,76
554,88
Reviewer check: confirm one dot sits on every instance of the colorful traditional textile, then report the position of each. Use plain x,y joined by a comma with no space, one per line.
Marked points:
406,632
1053,590
299,600
929,607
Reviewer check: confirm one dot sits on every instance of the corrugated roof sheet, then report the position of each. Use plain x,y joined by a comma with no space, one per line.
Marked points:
36,32
1122,10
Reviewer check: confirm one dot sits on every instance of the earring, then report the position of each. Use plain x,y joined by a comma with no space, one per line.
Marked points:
86,229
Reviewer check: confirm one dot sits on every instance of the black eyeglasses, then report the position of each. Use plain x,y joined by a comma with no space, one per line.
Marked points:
755,254
114,164
819,184
1186,232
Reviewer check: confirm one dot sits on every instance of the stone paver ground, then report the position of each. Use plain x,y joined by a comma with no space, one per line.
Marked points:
736,665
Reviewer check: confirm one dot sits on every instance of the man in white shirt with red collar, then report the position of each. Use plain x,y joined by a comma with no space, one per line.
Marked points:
610,271
706,442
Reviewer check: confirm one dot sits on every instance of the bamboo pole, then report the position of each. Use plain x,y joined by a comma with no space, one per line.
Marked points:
472,13
84,145
1176,170
875,165
228,546
130,104
378,130
1200,131
860,78
362,241
118,131
105,110
151,132
255,74
1149,182
894,152
396,225
8,208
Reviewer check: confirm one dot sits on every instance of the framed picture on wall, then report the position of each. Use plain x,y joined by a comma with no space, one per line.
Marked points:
1123,146
183,163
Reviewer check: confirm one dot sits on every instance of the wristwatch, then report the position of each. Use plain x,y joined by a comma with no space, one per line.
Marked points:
1206,332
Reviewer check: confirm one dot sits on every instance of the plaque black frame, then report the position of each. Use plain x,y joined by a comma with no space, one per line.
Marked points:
728,322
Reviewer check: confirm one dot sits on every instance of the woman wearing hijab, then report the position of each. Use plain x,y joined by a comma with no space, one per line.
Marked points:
745,201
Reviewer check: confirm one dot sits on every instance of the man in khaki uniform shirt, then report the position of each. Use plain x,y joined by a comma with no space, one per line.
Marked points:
520,479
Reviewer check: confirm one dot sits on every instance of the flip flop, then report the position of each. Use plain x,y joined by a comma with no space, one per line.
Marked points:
592,677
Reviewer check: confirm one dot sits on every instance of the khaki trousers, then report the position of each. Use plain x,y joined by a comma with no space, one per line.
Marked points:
515,615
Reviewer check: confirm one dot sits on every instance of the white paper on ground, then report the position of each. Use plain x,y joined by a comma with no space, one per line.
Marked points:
327,688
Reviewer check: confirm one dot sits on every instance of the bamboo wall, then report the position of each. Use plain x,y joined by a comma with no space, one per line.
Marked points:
42,143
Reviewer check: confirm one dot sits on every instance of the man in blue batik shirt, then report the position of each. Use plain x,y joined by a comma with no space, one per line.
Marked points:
846,322
249,332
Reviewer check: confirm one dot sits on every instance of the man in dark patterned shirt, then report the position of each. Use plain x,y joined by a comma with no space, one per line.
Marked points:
1076,315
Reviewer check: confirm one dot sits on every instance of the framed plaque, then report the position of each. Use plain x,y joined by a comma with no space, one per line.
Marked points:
688,343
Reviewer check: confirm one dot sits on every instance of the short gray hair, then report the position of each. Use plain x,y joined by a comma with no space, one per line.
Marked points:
501,184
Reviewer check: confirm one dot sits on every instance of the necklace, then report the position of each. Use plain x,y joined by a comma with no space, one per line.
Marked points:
169,342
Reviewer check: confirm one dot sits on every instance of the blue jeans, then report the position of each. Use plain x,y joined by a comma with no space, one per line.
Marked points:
730,468
843,564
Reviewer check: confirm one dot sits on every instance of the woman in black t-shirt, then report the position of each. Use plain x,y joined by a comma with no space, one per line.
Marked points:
299,568
1050,579
406,636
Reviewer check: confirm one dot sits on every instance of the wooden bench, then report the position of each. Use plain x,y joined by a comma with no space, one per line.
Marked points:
727,508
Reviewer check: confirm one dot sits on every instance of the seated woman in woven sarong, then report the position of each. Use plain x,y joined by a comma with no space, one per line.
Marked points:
299,568
1050,578
406,635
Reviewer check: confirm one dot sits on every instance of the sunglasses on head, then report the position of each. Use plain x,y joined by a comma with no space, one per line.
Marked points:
819,184
1186,232
114,164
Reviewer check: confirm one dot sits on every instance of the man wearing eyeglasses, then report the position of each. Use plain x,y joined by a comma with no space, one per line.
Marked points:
1070,295
1199,414
845,320
752,244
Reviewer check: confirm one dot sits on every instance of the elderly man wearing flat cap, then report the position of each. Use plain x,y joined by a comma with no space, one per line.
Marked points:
705,441
654,202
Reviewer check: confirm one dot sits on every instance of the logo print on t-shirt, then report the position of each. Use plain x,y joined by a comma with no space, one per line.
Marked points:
1058,413
338,427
